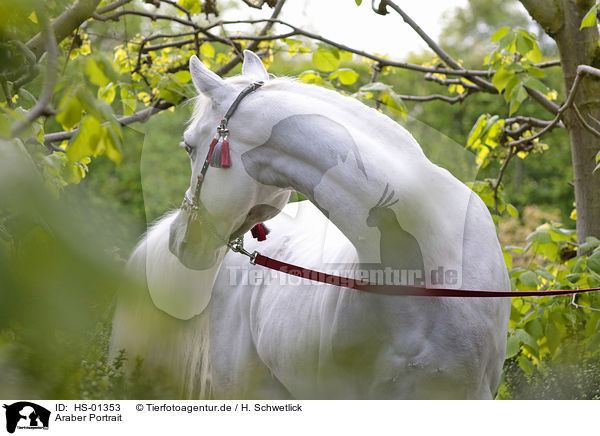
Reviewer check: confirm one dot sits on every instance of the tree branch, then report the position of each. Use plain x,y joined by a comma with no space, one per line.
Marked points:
116,15
496,184
525,124
300,32
260,3
43,106
445,82
424,98
540,98
546,12
484,84
584,122
534,122
582,70
64,24
254,44
7,94
112,6
139,117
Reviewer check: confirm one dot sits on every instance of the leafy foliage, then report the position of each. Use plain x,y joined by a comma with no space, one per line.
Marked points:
547,333
551,342
591,17
513,58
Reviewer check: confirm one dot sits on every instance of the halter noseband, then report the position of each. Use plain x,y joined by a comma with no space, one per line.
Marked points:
220,142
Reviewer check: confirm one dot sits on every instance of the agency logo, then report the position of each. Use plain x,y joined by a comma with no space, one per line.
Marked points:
26,415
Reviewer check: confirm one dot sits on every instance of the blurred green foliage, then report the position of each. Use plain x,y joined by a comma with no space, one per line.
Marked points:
69,218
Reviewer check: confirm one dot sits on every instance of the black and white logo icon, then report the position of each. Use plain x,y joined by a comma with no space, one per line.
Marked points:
26,415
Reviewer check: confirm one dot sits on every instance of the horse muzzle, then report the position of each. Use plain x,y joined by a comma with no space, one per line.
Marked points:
194,246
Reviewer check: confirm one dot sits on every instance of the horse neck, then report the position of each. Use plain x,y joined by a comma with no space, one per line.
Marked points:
342,155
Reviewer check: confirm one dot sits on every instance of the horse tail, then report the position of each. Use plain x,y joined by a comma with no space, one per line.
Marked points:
173,351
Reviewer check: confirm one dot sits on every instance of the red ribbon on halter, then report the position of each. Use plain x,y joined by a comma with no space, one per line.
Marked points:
211,149
259,232
225,159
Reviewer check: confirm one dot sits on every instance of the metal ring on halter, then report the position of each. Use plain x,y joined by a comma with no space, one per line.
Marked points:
237,246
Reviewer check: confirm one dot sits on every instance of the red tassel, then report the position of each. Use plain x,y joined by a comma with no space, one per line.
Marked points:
259,232
225,159
211,149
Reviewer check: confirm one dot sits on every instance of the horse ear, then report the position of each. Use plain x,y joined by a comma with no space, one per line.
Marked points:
254,67
205,81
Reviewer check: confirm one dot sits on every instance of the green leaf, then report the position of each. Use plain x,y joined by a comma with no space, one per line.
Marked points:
534,328
541,236
375,87
560,235
512,211
508,41
207,50
194,6
535,55
507,260
526,338
96,74
310,76
393,101
108,93
518,95
358,2
326,59
528,281
589,19
590,244
499,34
593,262
182,77
97,108
550,250
128,102
86,142
524,45
345,55
512,83
501,78
536,72
477,129
491,133
71,111
296,196
112,144
512,346
545,274
346,76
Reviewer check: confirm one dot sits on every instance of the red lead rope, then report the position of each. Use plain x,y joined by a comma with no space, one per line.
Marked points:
360,285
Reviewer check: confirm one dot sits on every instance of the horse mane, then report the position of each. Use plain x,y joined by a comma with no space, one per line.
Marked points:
353,106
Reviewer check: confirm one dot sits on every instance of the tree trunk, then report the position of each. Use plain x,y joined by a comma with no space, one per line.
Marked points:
561,19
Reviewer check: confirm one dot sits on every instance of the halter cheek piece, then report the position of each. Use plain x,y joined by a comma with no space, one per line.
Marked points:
218,157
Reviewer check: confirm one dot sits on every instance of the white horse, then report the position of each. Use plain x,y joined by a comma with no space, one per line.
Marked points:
227,329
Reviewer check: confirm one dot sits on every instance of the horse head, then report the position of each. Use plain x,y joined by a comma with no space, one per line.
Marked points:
222,202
